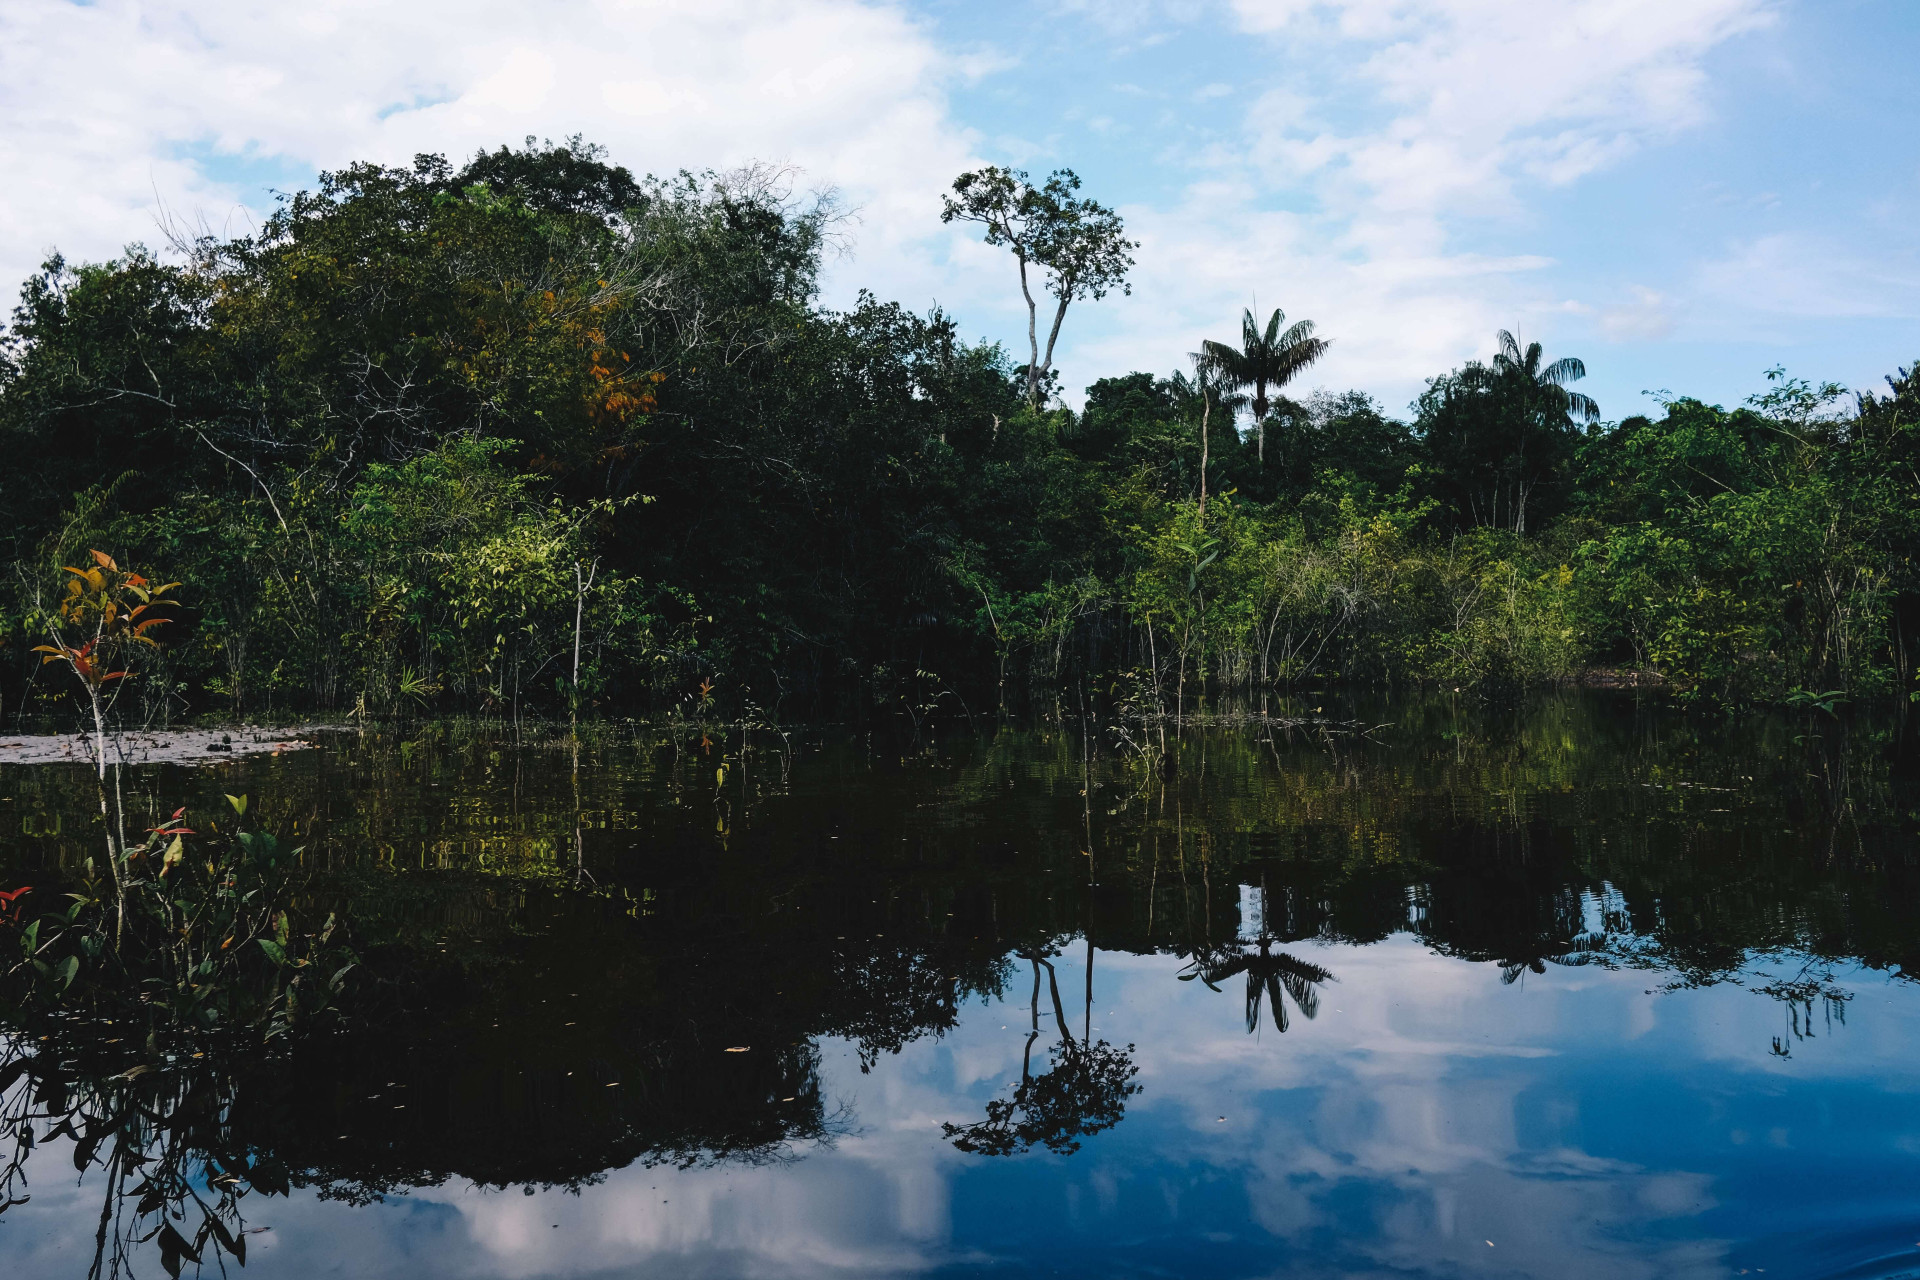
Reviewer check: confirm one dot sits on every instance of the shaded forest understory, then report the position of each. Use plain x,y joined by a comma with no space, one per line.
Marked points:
533,434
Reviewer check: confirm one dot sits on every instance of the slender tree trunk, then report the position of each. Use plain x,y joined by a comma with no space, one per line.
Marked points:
581,585
1053,335
1033,340
1026,1058
1180,685
109,820
1059,1008
1206,408
1153,663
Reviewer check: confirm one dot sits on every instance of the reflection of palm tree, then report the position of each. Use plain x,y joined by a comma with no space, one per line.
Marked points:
1083,1092
1535,956
1510,970
1269,973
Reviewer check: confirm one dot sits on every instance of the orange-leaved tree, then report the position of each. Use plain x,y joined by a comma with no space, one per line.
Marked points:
102,621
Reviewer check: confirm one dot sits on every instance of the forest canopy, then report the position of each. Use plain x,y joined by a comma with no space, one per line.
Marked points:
532,434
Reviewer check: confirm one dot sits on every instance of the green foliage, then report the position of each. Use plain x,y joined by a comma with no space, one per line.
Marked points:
534,435
217,939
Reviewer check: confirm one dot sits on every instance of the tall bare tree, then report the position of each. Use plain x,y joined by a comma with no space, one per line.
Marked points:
1079,245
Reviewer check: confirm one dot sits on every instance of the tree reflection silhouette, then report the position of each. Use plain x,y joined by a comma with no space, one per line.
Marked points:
1269,974
1083,1091
175,1172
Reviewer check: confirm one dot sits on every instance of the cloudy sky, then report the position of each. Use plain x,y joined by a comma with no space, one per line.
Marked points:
1683,192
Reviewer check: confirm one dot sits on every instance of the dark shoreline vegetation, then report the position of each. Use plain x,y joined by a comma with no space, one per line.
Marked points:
532,435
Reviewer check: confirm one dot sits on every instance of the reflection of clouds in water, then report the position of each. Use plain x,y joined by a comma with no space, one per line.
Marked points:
1404,1096
1390,1121
1546,1217
839,1215
1427,1110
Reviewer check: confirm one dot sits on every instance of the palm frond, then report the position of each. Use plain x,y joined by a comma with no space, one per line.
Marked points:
1564,370
1549,384
1301,981
1229,365
1266,359
1297,356
1264,984
1300,332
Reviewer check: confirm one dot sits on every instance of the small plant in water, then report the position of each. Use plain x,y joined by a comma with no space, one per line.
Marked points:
197,943
103,619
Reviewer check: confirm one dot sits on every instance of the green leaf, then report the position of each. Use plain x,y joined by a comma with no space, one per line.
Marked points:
69,970
275,952
239,804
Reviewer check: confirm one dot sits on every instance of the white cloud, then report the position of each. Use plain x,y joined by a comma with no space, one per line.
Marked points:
1395,125
110,106
1381,130
1783,279
1649,317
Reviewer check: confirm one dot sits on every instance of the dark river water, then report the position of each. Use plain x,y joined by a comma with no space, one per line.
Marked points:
1578,988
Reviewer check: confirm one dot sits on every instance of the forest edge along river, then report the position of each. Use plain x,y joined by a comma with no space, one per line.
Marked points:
1574,986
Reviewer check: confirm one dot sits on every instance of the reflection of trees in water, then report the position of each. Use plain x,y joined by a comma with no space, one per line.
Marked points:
1083,1091
174,1172
1797,996
1715,840
1706,843
1269,974
1705,850
531,1039
173,1146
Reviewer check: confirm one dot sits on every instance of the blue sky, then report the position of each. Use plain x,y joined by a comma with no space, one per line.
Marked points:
1682,192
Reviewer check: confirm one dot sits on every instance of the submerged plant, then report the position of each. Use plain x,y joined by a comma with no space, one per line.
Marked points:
219,939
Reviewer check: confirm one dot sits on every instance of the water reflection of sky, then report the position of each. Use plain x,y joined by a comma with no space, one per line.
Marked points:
1431,1120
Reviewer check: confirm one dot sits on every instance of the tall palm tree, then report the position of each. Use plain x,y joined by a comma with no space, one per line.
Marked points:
1550,383
1265,358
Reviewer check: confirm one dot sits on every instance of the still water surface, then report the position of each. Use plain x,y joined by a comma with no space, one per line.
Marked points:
1579,988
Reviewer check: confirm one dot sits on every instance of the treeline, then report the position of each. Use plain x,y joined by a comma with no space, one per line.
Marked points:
532,434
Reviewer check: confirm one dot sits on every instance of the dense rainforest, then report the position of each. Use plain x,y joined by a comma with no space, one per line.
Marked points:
532,434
